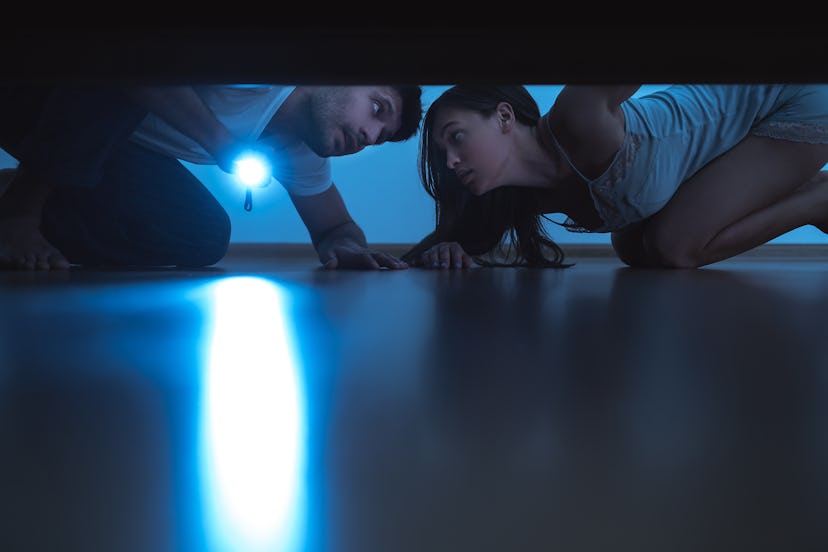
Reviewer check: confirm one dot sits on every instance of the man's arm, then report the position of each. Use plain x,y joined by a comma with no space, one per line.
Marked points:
184,110
338,240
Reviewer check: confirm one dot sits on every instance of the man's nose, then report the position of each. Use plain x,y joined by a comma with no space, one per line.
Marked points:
370,135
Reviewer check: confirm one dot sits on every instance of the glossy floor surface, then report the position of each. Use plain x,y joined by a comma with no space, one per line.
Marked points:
268,405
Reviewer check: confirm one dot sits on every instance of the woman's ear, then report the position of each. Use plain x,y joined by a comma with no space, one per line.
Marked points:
505,115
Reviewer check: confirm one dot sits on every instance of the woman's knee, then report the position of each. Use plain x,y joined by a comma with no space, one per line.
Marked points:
669,249
634,246
628,246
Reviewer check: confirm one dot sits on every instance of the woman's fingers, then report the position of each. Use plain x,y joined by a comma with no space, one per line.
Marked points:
446,255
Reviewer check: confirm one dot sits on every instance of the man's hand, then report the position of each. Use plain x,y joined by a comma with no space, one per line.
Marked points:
347,254
338,240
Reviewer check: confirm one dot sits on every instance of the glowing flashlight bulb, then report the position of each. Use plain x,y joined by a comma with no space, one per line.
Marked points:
252,170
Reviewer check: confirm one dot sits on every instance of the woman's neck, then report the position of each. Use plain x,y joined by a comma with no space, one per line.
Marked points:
563,189
534,166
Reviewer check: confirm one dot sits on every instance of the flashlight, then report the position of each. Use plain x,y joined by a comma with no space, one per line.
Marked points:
252,169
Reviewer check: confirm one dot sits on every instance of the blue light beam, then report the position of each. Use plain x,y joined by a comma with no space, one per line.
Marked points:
252,423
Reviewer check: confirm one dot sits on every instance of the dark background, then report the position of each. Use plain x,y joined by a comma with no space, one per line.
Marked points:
362,43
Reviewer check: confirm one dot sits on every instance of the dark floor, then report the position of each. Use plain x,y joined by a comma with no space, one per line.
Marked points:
269,405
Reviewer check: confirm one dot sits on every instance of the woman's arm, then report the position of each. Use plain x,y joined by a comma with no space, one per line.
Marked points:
589,124
587,97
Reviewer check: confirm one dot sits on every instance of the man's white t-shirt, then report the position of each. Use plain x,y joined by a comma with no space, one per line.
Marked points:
245,111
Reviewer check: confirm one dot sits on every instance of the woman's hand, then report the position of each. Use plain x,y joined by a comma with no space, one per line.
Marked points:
445,255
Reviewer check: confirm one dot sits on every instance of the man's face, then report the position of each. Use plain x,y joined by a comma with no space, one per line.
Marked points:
344,119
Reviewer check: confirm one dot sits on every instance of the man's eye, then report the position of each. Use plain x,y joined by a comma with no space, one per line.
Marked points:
377,108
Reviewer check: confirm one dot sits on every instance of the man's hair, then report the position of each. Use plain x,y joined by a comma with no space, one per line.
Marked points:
412,111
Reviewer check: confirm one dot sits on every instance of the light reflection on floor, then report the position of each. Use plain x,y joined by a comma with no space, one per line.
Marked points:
253,425
278,407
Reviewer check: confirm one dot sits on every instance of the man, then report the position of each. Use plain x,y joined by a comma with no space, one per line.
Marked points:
99,179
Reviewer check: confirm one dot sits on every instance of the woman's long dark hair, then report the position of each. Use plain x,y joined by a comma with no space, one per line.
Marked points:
503,226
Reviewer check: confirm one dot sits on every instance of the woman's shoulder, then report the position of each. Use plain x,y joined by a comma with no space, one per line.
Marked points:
586,125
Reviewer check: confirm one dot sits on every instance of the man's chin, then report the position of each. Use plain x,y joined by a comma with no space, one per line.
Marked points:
337,153
327,150
322,153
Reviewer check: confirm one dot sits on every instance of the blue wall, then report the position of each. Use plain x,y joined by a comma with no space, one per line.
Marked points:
383,192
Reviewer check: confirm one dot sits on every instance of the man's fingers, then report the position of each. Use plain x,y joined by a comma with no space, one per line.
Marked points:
362,259
367,260
351,260
390,261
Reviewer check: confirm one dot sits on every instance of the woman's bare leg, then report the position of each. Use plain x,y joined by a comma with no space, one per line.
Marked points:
757,191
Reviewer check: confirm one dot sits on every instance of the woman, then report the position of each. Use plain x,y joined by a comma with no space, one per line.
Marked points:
682,177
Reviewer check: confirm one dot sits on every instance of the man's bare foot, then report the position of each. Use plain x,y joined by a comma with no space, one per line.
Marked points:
23,247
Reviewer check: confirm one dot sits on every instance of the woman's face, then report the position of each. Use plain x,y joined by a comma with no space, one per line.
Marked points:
477,147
